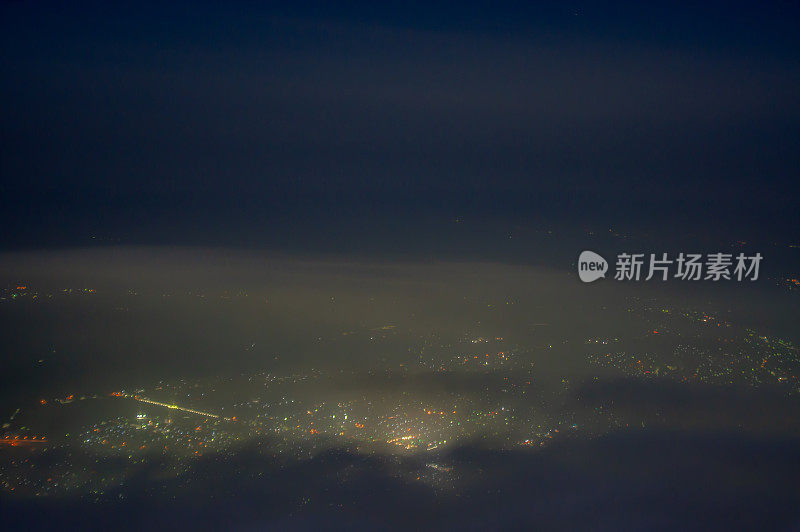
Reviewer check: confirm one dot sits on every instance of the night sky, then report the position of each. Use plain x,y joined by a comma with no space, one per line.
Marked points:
313,128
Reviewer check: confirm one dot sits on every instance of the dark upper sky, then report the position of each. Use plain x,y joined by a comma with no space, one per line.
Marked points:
196,124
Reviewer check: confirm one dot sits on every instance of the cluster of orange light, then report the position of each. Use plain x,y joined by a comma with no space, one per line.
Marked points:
400,439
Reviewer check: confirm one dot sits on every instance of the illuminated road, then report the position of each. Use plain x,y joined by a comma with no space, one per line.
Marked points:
171,407
21,441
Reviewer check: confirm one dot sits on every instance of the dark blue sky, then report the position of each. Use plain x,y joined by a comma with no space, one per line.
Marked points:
321,124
